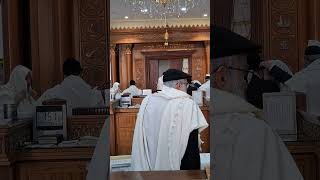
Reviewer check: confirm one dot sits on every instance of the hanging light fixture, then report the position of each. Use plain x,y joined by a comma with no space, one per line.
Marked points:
166,34
159,8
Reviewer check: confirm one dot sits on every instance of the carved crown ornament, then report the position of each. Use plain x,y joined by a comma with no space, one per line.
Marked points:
191,27
159,23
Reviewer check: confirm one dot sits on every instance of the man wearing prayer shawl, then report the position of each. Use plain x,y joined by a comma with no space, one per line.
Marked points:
133,89
244,146
73,89
164,124
310,74
18,91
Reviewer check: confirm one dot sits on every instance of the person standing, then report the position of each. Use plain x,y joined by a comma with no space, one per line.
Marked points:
164,125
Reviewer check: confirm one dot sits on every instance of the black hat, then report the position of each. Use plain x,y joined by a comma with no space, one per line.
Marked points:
174,74
312,50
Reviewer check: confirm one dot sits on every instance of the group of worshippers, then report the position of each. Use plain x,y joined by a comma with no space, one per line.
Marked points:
132,90
73,89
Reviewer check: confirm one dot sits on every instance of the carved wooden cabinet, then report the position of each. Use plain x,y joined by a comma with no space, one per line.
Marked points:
53,164
125,120
306,156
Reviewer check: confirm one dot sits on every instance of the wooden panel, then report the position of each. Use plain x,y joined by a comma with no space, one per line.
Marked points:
205,134
286,29
125,124
168,175
51,40
153,74
63,170
13,34
91,40
307,164
90,125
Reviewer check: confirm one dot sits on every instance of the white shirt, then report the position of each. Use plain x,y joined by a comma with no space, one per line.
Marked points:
206,88
76,92
133,90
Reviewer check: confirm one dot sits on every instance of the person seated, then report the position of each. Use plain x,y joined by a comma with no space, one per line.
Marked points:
115,92
206,87
73,89
132,89
18,90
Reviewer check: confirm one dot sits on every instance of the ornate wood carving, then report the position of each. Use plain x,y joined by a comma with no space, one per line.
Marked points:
90,125
282,32
12,139
153,35
192,50
139,73
92,39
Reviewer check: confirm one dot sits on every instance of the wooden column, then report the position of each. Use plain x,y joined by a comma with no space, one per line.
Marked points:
113,63
51,40
129,60
12,35
207,49
123,67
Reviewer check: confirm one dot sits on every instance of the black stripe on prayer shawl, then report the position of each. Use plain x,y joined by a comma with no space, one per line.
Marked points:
312,50
279,74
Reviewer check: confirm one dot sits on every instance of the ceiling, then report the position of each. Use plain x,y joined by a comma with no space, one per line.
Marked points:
119,9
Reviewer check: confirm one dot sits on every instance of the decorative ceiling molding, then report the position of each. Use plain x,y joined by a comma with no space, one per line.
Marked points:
154,34
141,24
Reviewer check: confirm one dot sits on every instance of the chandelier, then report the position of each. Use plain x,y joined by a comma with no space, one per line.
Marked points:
162,8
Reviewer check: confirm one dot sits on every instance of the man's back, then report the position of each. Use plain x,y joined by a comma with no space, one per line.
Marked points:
153,115
165,121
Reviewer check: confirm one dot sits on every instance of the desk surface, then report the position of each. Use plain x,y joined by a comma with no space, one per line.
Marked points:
159,175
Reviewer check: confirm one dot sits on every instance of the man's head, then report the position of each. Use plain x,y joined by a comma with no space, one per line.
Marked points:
132,82
176,79
312,52
71,67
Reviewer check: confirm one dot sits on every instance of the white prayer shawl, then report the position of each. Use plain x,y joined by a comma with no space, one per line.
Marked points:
206,88
16,85
160,83
76,92
281,65
247,148
133,90
306,77
98,168
115,88
180,116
